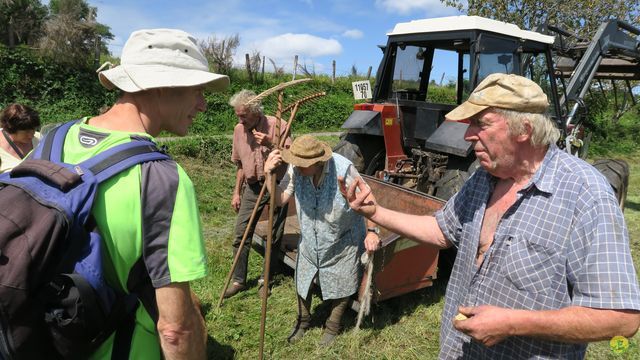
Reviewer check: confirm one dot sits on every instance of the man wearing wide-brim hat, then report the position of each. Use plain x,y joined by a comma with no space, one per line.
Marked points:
148,215
543,264
331,234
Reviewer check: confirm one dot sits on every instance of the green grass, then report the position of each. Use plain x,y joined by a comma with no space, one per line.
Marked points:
401,328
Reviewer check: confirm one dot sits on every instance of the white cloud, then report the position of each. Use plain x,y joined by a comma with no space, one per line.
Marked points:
287,45
353,34
405,7
282,49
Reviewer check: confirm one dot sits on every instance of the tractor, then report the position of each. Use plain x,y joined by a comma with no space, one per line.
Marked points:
402,136
414,159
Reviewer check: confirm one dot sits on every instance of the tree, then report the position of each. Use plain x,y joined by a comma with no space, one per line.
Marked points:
220,52
21,21
72,34
579,16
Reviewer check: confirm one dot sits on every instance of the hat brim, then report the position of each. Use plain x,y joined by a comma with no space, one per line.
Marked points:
465,111
134,78
294,160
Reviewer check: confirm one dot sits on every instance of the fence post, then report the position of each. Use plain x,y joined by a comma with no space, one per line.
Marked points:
248,61
369,73
262,74
295,66
333,74
96,52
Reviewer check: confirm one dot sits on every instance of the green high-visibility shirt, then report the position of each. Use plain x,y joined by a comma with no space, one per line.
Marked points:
147,212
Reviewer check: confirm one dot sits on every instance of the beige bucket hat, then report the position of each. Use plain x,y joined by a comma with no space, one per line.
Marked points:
505,91
156,58
305,151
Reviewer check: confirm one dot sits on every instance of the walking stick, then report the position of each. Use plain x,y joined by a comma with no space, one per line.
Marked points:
264,188
244,238
267,255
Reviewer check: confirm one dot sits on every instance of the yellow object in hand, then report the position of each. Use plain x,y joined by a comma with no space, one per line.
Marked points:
461,317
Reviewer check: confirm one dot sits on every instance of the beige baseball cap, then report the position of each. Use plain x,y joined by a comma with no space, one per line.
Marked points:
505,91
155,58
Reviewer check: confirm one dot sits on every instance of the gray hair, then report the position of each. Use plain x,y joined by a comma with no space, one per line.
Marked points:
543,131
241,99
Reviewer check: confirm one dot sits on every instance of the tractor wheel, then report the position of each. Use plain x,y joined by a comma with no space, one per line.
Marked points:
363,151
617,173
352,152
376,163
453,178
449,184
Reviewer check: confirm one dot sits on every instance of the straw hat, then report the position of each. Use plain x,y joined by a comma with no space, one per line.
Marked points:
305,151
505,91
158,58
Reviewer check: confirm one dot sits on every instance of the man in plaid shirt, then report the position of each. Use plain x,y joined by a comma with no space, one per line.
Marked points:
543,264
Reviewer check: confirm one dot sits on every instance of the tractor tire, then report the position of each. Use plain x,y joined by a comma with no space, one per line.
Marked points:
376,163
617,173
449,184
362,150
453,178
352,152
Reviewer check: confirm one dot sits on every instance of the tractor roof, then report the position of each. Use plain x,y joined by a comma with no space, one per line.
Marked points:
455,23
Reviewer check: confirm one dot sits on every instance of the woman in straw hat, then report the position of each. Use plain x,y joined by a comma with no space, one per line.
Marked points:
331,234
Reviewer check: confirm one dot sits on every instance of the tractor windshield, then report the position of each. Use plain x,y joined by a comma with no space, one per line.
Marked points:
408,70
499,54
431,73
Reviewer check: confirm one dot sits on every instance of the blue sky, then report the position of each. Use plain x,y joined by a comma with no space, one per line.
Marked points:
347,31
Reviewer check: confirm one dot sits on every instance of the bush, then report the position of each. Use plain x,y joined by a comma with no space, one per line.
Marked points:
325,113
615,137
61,93
58,92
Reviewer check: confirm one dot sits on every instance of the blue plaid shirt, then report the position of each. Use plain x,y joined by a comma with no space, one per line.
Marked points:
564,242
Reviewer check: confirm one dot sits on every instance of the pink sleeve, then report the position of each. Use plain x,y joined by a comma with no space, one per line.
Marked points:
235,157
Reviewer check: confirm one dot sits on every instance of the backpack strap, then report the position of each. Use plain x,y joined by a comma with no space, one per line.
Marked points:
121,157
105,164
50,148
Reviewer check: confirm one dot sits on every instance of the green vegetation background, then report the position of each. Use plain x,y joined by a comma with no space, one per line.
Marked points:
63,93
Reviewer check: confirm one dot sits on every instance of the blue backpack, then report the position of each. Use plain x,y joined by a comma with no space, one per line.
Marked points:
54,301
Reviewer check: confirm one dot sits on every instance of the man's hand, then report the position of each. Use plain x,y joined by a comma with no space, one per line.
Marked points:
486,324
273,161
372,241
235,202
261,138
363,201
